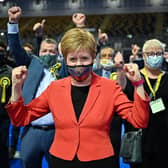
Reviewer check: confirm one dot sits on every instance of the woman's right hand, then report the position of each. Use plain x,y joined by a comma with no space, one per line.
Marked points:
19,75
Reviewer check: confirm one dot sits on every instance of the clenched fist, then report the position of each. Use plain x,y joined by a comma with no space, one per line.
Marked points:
132,72
102,37
79,19
14,14
19,75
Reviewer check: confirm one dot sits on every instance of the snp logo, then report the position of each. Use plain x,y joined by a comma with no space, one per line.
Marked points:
4,83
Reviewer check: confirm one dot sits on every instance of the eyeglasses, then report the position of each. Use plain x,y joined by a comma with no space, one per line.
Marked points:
104,55
154,54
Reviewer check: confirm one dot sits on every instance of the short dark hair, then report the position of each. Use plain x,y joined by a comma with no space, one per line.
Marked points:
50,41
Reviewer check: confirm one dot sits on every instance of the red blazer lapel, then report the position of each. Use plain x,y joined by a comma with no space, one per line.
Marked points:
93,94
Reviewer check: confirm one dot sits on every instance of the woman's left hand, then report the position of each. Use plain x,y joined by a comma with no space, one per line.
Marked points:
132,72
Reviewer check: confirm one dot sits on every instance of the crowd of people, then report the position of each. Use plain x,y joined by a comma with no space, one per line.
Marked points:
73,96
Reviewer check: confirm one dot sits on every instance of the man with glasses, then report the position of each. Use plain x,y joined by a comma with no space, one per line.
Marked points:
104,64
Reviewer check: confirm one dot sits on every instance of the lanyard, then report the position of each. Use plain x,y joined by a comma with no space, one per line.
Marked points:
157,84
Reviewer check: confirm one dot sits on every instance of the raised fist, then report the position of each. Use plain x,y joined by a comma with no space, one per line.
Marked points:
119,60
39,27
19,75
132,72
102,37
79,19
14,14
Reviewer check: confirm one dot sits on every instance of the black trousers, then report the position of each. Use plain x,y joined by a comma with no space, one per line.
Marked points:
115,136
75,163
4,134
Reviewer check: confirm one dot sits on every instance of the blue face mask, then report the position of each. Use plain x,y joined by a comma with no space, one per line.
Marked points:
80,72
154,62
106,64
48,60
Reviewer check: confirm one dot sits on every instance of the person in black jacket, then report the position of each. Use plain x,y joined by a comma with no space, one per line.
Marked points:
6,152
154,136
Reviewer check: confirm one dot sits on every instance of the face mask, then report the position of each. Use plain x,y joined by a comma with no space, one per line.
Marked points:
154,62
80,72
106,64
48,60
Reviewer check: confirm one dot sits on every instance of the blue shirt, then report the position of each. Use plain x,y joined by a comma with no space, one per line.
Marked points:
48,118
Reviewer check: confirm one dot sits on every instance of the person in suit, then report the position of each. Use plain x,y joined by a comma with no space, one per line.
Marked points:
82,104
104,63
41,71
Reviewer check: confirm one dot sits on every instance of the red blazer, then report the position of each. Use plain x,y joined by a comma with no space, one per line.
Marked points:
88,137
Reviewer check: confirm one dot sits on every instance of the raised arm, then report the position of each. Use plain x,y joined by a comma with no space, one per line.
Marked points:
130,71
15,46
38,29
133,74
19,113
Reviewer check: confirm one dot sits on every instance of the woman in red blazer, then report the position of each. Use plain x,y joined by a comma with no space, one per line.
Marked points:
83,106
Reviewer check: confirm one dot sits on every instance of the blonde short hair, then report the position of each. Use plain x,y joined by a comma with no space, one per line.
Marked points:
153,43
78,39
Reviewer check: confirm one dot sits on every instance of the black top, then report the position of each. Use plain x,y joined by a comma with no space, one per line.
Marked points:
5,79
155,136
79,95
